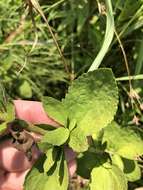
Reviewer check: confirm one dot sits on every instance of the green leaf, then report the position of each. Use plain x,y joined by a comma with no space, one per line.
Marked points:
56,178
87,161
45,127
36,178
3,98
25,89
3,127
59,179
78,141
129,10
9,113
117,160
44,146
108,177
132,170
56,137
125,142
89,98
71,124
55,109
51,155
119,177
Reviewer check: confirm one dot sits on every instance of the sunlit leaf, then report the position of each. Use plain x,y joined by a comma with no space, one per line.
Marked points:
88,100
51,155
8,114
117,160
125,142
55,109
78,141
89,160
56,178
56,137
131,170
108,177
3,127
25,89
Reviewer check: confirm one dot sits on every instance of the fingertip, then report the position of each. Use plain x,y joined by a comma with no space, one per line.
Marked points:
13,160
32,112
13,181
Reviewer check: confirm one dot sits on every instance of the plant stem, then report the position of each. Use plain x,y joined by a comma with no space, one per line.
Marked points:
36,6
125,78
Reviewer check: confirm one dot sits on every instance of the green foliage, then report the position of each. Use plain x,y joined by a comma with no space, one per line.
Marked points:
36,178
90,96
109,33
3,127
2,98
25,90
129,9
84,167
56,178
78,140
108,177
6,109
51,155
59,178
93,99
55,109
125,142
132,170
8,114
56,137
32,72
110,159
117,160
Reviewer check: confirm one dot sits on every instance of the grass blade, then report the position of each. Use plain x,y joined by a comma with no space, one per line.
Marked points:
108,36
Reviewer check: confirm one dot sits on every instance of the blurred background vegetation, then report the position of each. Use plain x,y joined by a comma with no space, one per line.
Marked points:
29,72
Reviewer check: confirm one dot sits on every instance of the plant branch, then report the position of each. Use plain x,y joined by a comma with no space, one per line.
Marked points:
125,59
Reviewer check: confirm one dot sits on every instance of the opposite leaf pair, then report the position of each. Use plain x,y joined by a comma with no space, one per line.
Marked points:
89,106
114,156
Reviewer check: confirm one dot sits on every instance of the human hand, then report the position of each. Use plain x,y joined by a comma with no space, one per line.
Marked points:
14,165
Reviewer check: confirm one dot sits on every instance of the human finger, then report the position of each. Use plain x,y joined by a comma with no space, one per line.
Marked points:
33,112
12,181
13,160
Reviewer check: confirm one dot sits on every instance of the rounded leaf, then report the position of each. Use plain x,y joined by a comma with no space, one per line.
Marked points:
92,100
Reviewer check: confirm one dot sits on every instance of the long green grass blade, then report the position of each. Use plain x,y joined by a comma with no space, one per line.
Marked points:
126,29
108,36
